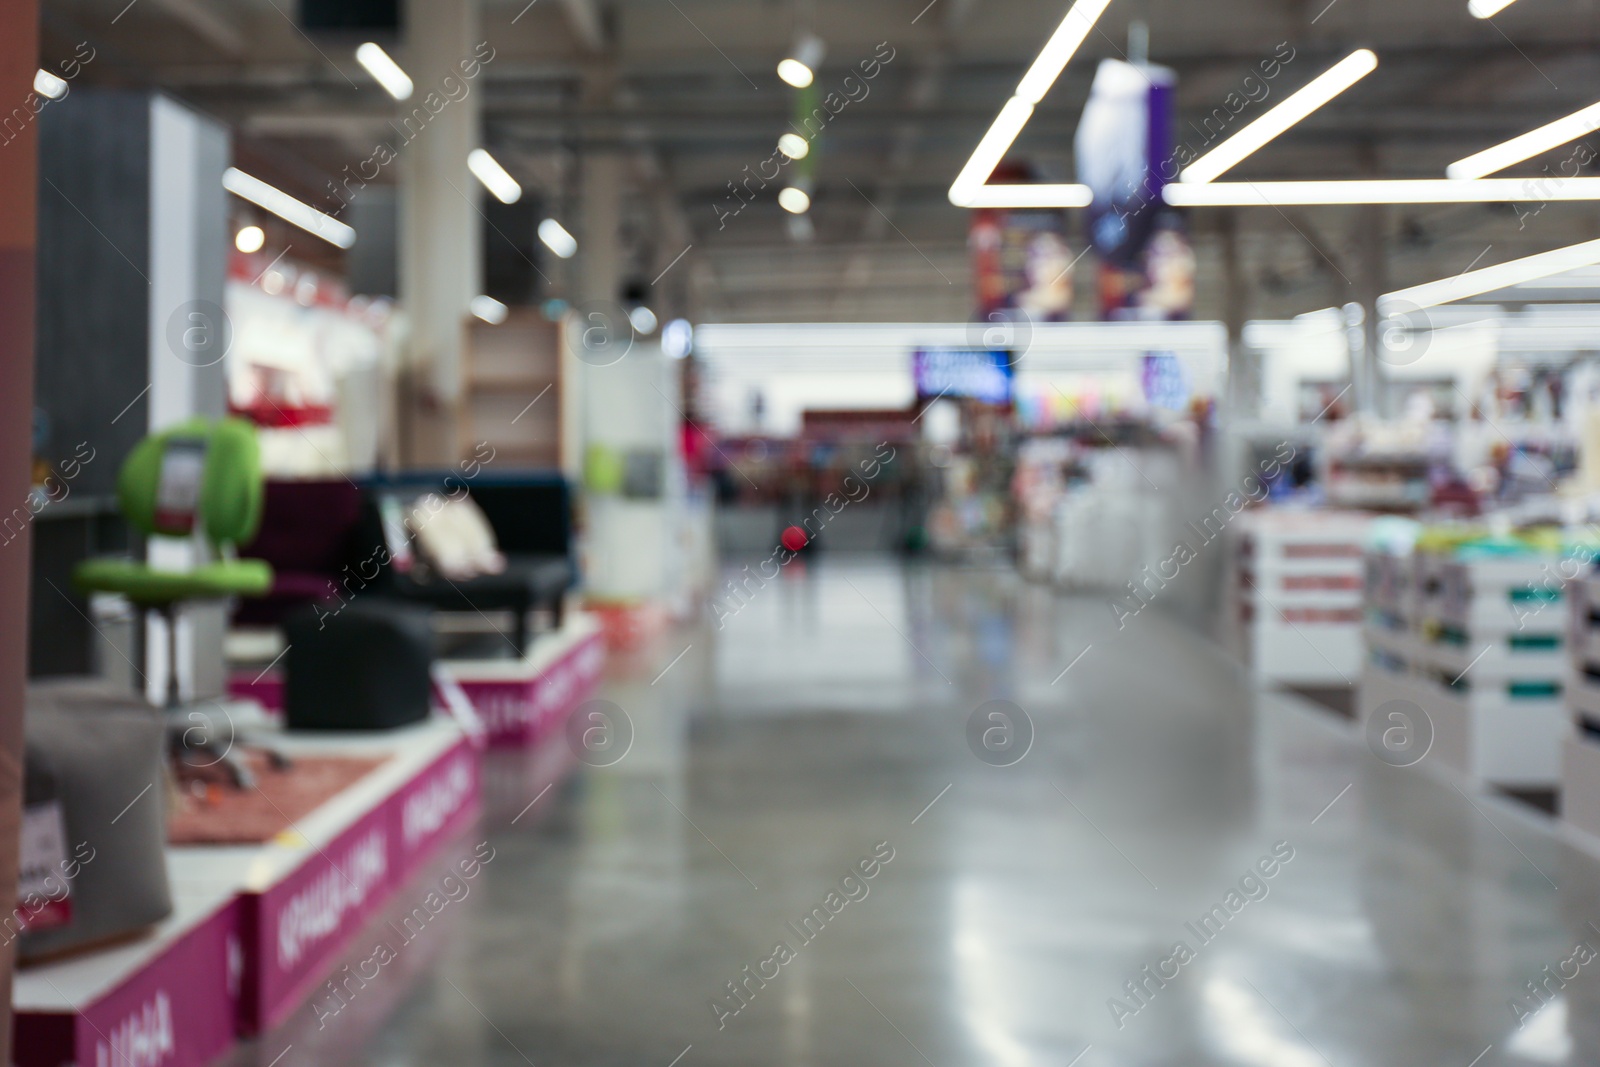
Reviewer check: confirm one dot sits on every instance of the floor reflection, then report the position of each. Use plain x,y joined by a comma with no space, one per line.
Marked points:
829,714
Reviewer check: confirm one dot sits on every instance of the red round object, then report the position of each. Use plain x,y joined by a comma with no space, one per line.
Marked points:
794,539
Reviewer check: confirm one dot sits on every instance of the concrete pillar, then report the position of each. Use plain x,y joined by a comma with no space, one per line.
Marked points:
19,58
441,232
1371,281
600,237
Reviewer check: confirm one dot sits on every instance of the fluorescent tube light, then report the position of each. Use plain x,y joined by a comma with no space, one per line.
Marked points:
1379,191
1058,51
1030,196
385,70
1528,145
48,85
1500,276
488,309
990,151
557,239
1323,88
287,207
1482,9
494,177
967,189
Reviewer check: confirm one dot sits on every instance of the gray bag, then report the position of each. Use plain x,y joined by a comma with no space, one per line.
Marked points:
103,757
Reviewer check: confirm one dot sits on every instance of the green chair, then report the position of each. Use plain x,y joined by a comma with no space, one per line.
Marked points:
200,479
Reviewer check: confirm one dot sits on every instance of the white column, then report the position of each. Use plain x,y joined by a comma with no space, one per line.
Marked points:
440,228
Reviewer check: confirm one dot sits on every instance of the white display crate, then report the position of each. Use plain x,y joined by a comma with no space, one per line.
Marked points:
1490,677
1580,785
1495,738
1295,588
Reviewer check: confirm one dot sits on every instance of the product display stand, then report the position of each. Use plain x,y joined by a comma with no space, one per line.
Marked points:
1483,657
1580,749
1296,594
255,928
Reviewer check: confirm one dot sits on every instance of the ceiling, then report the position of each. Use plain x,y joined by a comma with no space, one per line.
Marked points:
693,100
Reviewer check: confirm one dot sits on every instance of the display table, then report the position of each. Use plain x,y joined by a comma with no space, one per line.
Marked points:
523,701
519,700
255,928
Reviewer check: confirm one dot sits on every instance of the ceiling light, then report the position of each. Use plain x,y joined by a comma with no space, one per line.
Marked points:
47,84
1528,145
642,319
557,239
494,177
1323,88
795,201
287,207
1075,26
1500,276
1482,9
488,309
1029,196
799,69
250,239
385,70
677,339
1377,191
990,150
1079,20
794,146
795,73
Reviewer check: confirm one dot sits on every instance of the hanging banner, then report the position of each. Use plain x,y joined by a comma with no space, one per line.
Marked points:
1021,262
1123,144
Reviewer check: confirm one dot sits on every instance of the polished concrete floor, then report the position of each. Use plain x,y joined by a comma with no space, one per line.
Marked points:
1332,910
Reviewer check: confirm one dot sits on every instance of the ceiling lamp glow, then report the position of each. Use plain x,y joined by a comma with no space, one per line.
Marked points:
48,85
287,207
1058,51
1482,9
795,201
557,239
1323,88
385,70
494,177
250,239
488,309
642,319
1528,145
1030,196
1488,279
794,146
799,69
1376,191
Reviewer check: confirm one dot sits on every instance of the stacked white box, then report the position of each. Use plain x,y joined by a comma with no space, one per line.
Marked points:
1580,755
1491,647
1297,595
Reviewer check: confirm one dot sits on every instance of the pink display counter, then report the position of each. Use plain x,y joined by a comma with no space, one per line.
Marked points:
255,928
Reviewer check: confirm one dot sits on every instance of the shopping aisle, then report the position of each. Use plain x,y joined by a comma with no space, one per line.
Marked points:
1009,906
